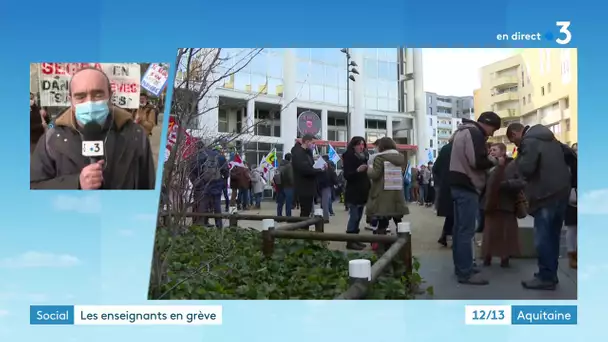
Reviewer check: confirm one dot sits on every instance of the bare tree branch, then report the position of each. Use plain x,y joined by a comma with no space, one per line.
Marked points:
200,71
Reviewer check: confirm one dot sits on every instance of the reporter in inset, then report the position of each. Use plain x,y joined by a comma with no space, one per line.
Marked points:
120,158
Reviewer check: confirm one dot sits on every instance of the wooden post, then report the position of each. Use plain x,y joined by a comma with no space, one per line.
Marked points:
359,271
233,221
267,238
404,229
319,226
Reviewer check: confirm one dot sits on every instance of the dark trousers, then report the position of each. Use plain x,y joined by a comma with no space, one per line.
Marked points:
209,204
384,222
466,208
355,213
447,226
284,197
306,203
548,223
226,198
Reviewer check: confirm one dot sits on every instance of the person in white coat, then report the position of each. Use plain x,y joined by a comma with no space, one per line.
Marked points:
257,186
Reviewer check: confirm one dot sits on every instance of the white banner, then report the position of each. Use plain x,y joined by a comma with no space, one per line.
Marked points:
154,79
55,77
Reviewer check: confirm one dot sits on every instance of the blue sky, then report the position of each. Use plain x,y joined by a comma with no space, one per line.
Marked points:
95,248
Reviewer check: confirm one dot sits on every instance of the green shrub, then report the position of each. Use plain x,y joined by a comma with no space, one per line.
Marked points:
208,263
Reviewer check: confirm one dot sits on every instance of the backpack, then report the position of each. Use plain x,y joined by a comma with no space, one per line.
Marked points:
210,170
276,179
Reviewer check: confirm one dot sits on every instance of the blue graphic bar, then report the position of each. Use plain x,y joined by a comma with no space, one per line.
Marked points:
543,314
51,315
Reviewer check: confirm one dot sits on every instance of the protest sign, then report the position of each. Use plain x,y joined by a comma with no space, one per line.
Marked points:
155,79
54,81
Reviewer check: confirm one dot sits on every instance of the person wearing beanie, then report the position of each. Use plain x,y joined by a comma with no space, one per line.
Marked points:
469,163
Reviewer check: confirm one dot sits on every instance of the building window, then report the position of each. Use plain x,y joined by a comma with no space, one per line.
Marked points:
222,121
266,123
434,132
434,154
542,91
549,87
567,125
522,78
529,98
431,122
524,99
430,110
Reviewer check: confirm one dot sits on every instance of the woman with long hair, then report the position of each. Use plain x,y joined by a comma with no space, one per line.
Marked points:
357,185
386,199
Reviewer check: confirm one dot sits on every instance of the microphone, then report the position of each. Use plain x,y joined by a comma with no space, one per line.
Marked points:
92,142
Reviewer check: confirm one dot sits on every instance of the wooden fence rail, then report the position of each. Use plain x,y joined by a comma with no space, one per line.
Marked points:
298,228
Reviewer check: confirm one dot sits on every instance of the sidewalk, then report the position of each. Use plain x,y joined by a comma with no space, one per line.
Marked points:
436,261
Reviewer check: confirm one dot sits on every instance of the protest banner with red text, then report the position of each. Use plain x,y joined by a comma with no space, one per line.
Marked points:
54,81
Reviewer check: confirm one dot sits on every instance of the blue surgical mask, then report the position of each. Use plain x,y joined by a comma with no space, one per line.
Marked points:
92,111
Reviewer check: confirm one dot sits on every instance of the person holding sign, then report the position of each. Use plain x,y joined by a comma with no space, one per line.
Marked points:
93,144
146,114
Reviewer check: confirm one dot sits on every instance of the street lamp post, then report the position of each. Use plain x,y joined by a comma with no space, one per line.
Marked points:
350,72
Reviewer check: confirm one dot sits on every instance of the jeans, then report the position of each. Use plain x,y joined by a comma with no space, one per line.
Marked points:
212,204
548,223
331,201
244,198
326,202
257,197
407,191
466,208
355,213
226,198
422,193
284,197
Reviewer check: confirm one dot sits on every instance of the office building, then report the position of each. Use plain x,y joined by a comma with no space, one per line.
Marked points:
444,114
283,93
536,86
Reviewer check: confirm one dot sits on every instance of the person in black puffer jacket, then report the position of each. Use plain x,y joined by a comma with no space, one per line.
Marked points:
357,185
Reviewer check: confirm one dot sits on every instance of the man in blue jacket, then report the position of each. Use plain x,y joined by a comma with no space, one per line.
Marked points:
208,177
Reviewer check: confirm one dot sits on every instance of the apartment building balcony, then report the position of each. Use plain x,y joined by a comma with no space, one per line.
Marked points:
505,81
505,97
444,114
444,135
447,125
508,113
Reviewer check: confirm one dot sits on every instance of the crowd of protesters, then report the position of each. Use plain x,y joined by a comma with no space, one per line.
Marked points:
475,185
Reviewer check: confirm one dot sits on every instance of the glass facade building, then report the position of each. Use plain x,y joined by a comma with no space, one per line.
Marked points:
277,85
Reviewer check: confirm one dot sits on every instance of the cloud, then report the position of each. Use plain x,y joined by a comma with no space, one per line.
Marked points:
40,260
87,204
3,312
594,202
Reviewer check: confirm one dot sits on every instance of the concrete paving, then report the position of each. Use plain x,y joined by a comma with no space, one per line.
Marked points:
436,261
